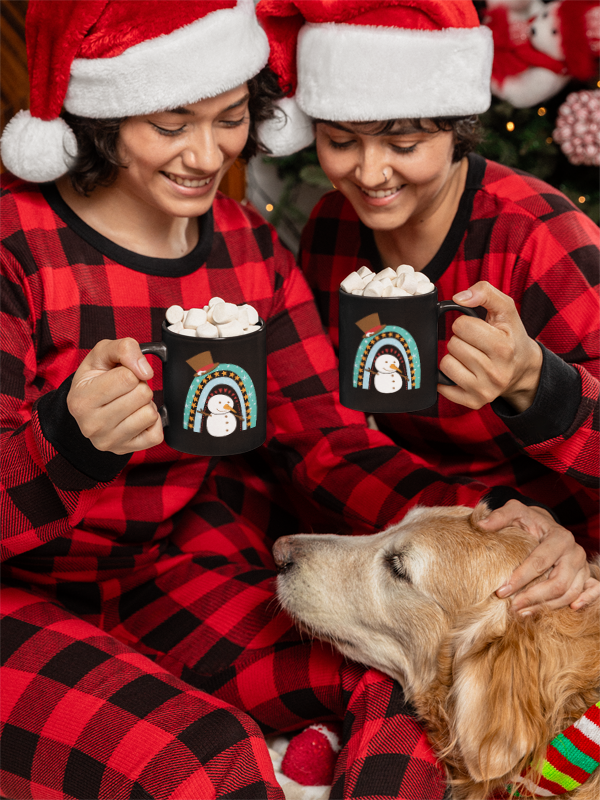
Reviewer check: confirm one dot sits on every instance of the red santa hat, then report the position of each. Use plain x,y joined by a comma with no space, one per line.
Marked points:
119,58
579,22
376,60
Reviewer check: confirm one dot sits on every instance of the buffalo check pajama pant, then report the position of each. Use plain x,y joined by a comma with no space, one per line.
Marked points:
161,684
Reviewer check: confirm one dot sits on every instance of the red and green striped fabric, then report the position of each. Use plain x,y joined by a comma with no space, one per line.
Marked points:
570,759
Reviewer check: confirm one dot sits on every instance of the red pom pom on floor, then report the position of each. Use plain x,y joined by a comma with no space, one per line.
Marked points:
311,755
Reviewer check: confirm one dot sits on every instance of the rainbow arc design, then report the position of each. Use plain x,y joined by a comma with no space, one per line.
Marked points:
393,339
209,379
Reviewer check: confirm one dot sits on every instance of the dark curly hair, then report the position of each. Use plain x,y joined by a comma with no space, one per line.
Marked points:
97,162
468,131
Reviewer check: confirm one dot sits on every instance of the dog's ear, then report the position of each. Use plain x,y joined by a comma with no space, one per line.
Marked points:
494,701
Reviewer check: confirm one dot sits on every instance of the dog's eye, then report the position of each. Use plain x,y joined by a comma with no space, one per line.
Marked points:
396,563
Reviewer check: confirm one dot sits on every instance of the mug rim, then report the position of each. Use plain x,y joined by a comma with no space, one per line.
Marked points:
368,297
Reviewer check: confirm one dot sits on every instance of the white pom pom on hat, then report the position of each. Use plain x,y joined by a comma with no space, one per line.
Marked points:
351,60
38,150
107,59
289,131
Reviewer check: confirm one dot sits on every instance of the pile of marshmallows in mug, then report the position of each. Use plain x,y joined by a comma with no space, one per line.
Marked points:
400,282
217,320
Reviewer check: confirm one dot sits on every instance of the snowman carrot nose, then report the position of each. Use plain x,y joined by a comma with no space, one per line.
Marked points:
394,367
227,407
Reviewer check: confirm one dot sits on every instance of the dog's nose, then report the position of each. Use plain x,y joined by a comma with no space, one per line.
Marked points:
283,552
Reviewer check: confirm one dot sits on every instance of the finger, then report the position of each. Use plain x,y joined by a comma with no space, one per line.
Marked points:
559,590
535,520
500,307
102,388
133,433
558,548
111,352
591,592
102,420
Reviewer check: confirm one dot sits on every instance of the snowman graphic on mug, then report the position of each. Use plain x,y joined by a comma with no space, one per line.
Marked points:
387,358
221,398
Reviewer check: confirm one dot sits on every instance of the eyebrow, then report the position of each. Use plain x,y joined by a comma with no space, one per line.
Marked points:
184,110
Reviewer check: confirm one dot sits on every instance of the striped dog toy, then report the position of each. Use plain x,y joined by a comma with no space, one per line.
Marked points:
570,759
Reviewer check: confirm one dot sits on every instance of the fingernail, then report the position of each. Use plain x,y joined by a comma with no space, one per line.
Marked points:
504,591
466,295
525,613
144,367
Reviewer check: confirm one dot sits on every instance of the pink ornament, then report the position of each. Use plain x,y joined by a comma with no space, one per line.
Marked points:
578,127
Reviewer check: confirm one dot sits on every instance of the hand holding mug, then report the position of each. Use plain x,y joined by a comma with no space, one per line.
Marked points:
111,401
491,358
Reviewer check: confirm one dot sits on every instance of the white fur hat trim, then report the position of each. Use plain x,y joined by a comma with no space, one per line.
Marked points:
204,59
363,72
289,131
37,150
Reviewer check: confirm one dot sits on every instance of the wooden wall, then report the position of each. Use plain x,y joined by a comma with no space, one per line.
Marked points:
13,59
15,85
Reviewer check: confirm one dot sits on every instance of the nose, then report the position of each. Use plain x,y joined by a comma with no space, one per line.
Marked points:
202,152
369,170
283,552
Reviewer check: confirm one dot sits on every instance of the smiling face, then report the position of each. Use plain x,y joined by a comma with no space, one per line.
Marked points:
176,159
418,169
219,404
386,364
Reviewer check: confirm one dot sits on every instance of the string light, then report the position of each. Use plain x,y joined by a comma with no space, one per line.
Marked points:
541,111
269,207
581,199
510,126
549,140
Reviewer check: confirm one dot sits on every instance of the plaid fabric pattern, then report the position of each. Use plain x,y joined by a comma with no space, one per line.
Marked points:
529,241
140,625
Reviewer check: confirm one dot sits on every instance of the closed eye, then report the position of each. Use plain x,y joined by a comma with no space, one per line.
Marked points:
398,567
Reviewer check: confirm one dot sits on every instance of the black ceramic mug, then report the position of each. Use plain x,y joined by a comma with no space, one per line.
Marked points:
215,391
389,349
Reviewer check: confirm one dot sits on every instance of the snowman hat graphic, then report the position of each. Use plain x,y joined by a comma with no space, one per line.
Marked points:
370,325
203,362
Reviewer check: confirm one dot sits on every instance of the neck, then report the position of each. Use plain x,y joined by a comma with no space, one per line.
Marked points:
420,237
131,224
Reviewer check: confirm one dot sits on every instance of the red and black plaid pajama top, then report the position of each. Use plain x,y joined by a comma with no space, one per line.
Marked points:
143,655
528,240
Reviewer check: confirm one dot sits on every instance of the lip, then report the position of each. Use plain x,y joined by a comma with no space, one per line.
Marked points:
379,201
189,191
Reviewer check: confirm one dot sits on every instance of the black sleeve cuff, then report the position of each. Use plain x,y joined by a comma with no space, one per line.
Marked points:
555,405
499,496
64,434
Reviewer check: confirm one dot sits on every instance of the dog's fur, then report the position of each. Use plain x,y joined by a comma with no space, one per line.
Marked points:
418,602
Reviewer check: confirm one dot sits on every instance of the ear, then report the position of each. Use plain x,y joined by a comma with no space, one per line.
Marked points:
494,702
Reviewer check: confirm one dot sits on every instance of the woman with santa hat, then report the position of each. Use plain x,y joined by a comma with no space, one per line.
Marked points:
142,648
391,90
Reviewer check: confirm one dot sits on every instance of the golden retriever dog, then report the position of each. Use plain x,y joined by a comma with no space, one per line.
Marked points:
417,601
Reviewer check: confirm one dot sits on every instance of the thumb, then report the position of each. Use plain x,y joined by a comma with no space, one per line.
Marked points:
110,353
500,307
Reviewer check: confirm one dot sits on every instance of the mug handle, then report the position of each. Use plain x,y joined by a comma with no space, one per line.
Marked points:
157,349
442,307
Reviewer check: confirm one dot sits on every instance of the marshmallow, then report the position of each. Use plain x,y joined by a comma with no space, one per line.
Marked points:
223,313
252,313
408,282
404,268
194,317
174,314
385,273
385,282
364,271
207,331
422,278
231,328
396,292
424,288
374,289
230,320
368,278
387,292
357,291
352,281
